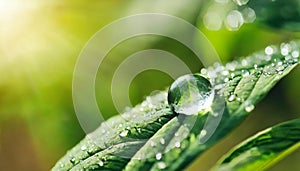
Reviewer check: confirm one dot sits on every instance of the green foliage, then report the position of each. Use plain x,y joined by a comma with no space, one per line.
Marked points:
151,137
264,149
278,14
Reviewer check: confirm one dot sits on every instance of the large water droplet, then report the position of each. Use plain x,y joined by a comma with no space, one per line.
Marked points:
191,94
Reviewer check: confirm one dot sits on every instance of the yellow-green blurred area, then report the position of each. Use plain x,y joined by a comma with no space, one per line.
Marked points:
39,45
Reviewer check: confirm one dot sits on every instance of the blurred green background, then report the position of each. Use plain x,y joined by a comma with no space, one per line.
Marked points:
39,45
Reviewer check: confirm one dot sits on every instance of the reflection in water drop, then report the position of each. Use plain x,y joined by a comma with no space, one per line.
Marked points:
234,20
191,94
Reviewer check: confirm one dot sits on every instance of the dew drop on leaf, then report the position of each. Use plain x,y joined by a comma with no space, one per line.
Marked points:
83,148
72,160
124,133
269,50
161,165
295,54
232,98
191,94
61,165
249,108
158,156
177,144
100,163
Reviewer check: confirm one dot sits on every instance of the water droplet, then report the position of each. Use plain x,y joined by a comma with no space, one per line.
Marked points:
61,165
255,66
269,50
249,107
161,165
241,2
232,75
244,62
295,54
288,57
225,73
203,71
124,133
83,148
177,144
285,49
152,144
158,156
139,130
245,73
231,97
226,80
162,141
101,163
280,68
73,159
176,134
191,94
203,133
234,20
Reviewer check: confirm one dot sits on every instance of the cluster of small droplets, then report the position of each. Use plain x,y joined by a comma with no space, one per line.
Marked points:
154,102
273,60
233,14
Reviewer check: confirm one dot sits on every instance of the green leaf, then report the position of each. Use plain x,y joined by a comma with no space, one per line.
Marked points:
264,149
150,136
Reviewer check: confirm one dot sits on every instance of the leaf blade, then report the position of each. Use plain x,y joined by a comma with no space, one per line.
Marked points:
153,120
263,149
